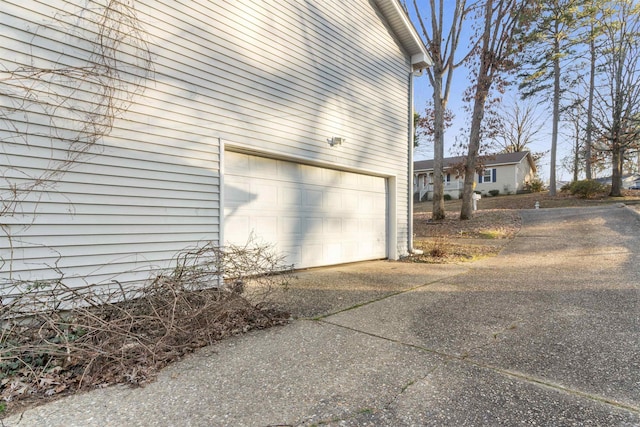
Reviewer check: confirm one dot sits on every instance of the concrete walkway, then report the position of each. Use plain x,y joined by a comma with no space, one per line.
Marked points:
547,333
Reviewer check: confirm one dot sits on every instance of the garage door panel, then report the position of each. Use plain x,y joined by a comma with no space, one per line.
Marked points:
351,180
290,227
292,254
265,191
311,173
237,193
365,203
313,226
262,166
315,216
312,198
236,164
334,200
266,226
289,196
350,224
288,171
312,255
333,226
237,228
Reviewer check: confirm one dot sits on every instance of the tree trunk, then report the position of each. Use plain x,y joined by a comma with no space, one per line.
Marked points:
617,157
466,212
482,91
483,85
438,211
576,154
556,115
589,130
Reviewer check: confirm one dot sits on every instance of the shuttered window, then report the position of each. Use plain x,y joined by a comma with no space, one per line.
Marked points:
488,175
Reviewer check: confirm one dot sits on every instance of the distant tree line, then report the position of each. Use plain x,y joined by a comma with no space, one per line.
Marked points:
576,60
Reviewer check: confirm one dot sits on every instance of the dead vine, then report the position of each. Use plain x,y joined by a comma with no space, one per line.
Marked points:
58,339
67,108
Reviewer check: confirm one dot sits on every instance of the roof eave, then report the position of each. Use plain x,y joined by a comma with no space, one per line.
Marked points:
526,155
405,31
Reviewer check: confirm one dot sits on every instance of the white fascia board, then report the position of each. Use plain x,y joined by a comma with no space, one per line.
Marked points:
406,32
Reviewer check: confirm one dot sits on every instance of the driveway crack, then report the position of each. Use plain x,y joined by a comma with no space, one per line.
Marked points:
386,296
467,359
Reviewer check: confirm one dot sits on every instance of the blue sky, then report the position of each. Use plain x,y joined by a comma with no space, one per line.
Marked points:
423,93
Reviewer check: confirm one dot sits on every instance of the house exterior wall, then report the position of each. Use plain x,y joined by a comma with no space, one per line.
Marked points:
506,178
510,178
423,186
274,78
524,174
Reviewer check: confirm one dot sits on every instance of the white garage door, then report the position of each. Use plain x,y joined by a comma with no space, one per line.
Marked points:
315,216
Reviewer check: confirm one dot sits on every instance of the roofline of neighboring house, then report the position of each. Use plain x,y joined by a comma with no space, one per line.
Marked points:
527,155
406,32
633,176
531,163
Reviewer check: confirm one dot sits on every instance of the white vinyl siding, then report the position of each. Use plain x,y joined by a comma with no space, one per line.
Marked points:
138,197
276,76
286,76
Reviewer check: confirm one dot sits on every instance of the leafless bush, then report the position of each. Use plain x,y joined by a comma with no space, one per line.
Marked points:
438,248
125,334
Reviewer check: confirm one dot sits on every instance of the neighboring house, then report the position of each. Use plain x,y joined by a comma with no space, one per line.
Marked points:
628,180
507,173
286,120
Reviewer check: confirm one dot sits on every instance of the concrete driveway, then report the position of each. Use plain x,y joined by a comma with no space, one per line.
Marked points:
547,333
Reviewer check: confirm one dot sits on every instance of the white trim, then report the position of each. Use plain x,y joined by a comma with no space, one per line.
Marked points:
221,203
221,196
391,182
410,172
420,59
392,218
302,160
406,32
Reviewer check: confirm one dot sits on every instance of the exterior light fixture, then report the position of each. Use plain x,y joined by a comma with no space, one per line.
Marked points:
336,140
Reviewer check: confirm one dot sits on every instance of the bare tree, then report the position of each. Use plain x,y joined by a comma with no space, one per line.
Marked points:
550,46
425,128
617,98
500,20
592,33
442,41
518,126
575,117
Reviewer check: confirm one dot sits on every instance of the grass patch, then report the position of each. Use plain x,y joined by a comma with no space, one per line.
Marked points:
445,251
493,234
496,221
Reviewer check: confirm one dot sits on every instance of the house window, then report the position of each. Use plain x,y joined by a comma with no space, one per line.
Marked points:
446,178
488,175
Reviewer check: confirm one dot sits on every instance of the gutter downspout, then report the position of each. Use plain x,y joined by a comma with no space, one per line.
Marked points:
221,168
412,250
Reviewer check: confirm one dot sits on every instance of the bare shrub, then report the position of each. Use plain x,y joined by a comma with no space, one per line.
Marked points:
438,249
125,334
534,186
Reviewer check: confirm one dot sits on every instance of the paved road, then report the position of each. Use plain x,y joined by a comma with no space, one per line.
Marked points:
547,333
